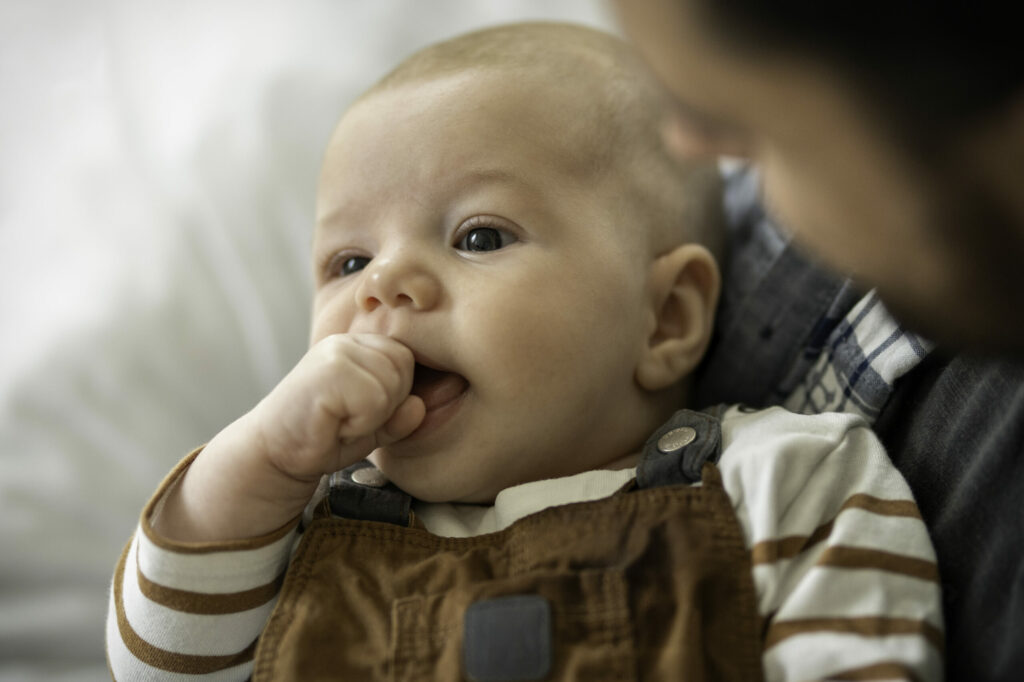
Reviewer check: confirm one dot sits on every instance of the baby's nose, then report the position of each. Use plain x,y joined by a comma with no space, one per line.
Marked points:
397,282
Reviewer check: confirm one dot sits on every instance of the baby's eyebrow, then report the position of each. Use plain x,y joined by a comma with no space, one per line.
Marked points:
459,181
484,175
473,177
467,181
352,212
332,218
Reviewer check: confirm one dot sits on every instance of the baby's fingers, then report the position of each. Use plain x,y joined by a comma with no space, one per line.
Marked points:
374,378
401,424
386,360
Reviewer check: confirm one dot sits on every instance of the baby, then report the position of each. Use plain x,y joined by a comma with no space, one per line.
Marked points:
513,284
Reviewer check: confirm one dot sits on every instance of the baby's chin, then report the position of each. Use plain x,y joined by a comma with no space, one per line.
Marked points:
431,482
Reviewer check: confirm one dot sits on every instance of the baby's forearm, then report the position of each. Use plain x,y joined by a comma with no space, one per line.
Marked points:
231,491
348,395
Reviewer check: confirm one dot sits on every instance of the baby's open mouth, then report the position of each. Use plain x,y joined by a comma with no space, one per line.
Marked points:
436,387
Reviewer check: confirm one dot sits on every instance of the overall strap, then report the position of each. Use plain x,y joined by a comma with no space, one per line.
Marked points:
363,493
675,454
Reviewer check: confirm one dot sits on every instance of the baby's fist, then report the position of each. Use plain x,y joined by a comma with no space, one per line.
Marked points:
347,396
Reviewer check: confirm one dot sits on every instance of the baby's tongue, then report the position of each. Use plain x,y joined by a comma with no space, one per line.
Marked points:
436,387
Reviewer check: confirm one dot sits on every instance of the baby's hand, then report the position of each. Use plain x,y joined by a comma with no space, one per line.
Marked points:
347,396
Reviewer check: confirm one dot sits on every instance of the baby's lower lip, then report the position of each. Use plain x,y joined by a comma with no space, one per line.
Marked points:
438,413
437,388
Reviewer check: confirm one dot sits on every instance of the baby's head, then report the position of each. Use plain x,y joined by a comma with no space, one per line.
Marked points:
501,204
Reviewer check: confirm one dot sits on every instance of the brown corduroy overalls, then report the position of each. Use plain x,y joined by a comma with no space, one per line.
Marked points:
652,583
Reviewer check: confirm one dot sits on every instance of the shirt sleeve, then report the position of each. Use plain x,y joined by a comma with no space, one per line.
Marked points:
845,572
191,611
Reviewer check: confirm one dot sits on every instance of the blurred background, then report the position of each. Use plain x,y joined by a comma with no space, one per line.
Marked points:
157,171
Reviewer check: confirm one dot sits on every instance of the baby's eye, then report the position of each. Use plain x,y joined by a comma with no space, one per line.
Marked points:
485,239
342,265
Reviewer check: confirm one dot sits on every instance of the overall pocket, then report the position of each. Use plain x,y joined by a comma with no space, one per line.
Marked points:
541,626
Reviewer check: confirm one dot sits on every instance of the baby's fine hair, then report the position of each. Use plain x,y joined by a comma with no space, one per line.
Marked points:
622,127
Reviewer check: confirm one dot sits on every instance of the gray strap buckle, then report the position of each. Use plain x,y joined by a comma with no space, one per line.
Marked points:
361,492
676,452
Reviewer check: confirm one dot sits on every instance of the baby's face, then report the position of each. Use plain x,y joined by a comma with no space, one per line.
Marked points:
451,218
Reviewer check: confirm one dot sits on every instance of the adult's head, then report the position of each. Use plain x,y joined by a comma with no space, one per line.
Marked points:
890,138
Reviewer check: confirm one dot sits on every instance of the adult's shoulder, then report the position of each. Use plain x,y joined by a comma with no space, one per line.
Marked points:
955,428
968,402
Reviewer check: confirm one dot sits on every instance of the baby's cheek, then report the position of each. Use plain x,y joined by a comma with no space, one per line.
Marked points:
330,317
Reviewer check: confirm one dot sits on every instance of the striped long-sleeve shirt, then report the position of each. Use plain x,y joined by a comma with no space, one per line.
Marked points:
844,570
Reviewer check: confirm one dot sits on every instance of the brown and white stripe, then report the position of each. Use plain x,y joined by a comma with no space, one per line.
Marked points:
845,573
844,570
181,610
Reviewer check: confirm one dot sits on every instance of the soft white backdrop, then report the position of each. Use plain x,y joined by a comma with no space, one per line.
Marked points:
157,167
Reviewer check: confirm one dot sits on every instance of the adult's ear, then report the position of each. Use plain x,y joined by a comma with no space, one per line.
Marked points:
683,285
688,136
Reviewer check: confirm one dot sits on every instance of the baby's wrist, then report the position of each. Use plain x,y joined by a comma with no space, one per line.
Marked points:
231,491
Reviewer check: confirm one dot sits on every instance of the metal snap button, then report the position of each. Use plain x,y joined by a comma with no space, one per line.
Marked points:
370,477
677,439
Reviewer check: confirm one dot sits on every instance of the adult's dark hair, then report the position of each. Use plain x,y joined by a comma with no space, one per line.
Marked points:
930,73
939,65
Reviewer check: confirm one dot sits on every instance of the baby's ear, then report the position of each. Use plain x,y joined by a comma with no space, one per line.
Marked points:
683,285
